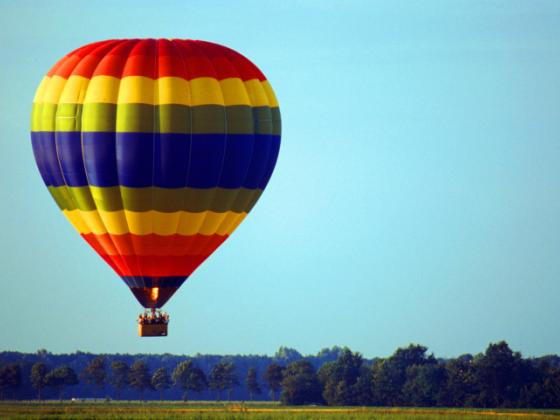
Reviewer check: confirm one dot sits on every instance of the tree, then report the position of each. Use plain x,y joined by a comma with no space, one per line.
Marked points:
336,393
347,366
551,388
287,355
94,373
10,378
161,381
499,376
120,378
461,387
230,378
300,384
139,377
389,375
328,355
38,378
340,378
216,382
189,377
541,392
43,353
363,387
425,385
273,377
60,378
223,377
252,383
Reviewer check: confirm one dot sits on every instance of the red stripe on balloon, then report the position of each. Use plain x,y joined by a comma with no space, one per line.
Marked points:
187,59
160,266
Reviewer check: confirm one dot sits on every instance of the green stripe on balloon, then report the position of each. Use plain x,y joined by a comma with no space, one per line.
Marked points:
142,118
165,200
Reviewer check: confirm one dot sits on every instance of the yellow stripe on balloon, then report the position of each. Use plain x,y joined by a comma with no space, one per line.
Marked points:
75,90
272,100
75,217
173,90
165,90
229,224
210,223
38,98
206,91
103,89
53,89
137,90
256,92
234,92
146,223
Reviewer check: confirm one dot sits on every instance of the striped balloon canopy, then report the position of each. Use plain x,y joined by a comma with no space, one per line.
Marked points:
155,150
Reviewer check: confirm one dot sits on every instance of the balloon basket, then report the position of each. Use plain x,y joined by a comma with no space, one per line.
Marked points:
153,323
152,330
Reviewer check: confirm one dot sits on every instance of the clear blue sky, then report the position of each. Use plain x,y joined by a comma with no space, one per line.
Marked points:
416,197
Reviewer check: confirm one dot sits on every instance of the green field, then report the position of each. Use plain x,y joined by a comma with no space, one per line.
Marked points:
260,411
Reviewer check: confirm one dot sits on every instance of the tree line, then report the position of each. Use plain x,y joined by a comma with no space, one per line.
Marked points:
498,377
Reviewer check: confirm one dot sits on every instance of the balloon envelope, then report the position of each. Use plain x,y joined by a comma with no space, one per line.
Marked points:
155,151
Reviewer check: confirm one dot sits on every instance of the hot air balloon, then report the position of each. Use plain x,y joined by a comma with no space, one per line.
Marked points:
155,150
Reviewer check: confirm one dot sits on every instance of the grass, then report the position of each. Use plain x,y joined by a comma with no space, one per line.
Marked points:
248,411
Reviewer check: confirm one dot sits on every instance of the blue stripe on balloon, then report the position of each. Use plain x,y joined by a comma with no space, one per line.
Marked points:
167,160
44,149
100,158
271,162
69,150
258,166
237,159
207,159
144,281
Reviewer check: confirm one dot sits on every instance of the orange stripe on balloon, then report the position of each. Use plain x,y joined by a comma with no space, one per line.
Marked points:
146,245
152,265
